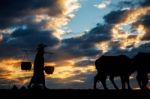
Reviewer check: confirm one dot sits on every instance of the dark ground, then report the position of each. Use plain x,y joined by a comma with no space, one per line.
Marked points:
71,94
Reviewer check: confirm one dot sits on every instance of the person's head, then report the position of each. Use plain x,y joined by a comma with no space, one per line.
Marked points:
41,46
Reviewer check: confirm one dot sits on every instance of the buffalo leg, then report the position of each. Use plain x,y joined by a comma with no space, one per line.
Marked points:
142,80
95,81
123,82
128,82
139,81
145,81
114,84
103,80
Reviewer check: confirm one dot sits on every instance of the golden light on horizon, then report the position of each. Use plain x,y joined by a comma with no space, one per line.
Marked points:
63,70
66,69
12,71
11,61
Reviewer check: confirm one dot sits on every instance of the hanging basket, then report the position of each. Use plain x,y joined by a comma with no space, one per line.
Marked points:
49,69
26,65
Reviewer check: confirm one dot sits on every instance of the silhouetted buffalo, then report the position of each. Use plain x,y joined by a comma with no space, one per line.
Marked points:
113,66
142,61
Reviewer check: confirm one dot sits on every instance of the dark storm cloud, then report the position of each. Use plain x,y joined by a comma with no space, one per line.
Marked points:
25,38
130,3
118,16
99,33
14,12
67,52
143,48
144,21
32,37
95,35
83,46
114,16
145,3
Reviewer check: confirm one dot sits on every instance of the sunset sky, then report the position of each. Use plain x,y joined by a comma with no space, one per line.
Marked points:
76,31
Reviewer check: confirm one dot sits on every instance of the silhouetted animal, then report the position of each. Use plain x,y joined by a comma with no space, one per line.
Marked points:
38,75
142,61
113,66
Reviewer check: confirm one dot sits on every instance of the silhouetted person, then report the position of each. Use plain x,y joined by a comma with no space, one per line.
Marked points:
113,66
142,61
38,75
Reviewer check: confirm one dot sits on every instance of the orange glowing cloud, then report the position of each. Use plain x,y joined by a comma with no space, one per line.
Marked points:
65,72
67,13
57,16
66,69
10,70
131,16
103,46
11,62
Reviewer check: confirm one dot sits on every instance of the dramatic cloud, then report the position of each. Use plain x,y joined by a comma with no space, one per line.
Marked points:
145,3
54,13
27,23
10,73
123,27
145,22
128,26
85,45
25,38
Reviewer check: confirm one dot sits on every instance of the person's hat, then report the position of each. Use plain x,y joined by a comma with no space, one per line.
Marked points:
41,45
